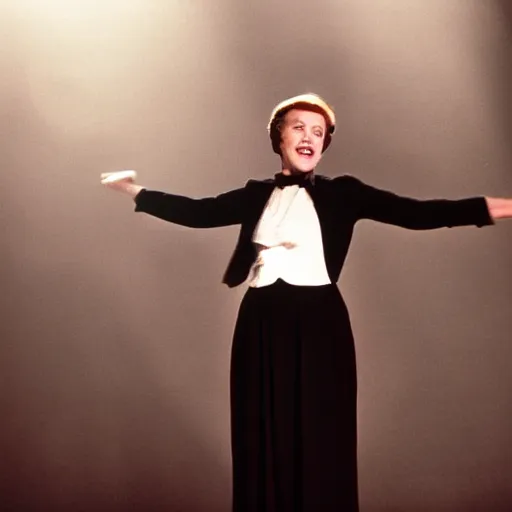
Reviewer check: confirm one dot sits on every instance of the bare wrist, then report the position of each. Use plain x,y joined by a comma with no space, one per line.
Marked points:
132,190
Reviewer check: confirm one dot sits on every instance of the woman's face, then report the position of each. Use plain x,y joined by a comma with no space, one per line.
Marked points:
302,140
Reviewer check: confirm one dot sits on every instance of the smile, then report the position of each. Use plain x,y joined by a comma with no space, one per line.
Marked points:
305,151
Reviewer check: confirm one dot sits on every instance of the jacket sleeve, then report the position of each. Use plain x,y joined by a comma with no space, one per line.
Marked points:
223,210
383,206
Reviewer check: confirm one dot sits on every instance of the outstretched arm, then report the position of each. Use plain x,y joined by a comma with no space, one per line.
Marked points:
223,210
499,208
419,214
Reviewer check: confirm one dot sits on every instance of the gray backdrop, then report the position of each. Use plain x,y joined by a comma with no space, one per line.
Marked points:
115,329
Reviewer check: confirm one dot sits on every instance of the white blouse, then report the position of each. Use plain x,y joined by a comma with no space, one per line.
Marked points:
289,241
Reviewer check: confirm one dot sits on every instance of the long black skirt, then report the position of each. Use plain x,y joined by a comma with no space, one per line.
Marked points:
293,402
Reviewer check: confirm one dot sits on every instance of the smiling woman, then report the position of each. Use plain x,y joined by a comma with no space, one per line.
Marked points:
293,367
302,138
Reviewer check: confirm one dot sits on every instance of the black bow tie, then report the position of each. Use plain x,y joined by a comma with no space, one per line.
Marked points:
303,179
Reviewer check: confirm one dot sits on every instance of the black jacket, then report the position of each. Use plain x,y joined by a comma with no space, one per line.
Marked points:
339,202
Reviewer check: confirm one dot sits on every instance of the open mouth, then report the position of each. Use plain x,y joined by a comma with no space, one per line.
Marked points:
305,151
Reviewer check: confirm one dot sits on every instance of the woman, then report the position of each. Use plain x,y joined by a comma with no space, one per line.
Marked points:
293,370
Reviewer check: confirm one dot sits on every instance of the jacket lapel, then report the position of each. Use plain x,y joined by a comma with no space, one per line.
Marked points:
245,252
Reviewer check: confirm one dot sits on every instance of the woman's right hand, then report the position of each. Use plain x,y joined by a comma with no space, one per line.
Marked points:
121,181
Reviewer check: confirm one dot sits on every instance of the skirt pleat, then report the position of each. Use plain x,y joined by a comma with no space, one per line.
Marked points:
293,402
